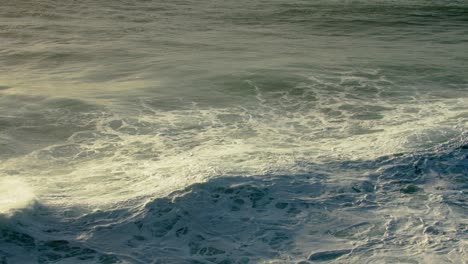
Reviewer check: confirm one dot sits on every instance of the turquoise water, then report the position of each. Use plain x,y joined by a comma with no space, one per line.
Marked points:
233,131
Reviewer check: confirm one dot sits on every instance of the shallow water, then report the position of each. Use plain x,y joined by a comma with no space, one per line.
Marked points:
233,132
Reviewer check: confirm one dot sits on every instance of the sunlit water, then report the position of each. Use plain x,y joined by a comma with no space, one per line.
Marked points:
233,131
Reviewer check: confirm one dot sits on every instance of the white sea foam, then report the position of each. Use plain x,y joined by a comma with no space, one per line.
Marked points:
157,152
15,194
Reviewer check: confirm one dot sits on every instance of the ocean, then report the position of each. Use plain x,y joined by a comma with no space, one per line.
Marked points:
233,132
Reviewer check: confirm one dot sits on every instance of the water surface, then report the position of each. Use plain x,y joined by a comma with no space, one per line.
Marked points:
233,131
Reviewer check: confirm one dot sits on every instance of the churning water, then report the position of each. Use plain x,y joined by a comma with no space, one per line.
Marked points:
233,132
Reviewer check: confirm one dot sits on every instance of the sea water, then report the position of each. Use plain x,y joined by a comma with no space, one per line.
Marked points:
229,132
